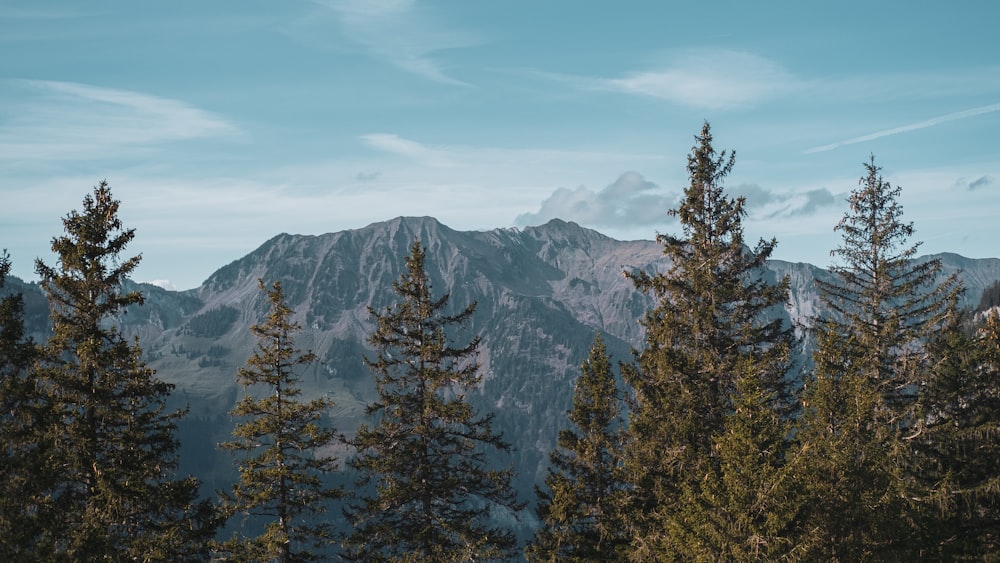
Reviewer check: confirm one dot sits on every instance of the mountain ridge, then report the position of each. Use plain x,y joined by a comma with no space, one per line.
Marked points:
542,295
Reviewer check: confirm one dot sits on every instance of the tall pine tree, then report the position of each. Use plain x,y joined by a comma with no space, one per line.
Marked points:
428,453
715,346
278,444
859,404
113,448
581,506
22,454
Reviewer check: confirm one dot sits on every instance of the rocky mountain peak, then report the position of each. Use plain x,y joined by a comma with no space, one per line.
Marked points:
542,294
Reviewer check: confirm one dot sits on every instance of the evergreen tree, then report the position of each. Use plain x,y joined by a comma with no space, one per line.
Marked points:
426,454
113,449
956,445
579,511
991,297
745,508
859,403
714,347
281,468
21,456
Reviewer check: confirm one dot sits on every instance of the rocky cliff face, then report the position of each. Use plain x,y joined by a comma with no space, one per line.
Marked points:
542,294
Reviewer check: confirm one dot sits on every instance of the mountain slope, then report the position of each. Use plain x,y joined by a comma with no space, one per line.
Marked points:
542,292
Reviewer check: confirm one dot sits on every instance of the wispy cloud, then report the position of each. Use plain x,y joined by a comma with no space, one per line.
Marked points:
973,185
769,204
702,78
523,166
629,201
907,128
399,32
910,85
633,201
412,150
165,284
365,177
67,120
980,182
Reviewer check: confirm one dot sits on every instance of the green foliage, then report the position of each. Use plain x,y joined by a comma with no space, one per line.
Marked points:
714,349
580,510
426,454
108,436
214,323
279,445
955,449
859,403
990,298
882,298
34,309
21,409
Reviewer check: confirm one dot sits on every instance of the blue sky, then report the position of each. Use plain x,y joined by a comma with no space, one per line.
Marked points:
220,124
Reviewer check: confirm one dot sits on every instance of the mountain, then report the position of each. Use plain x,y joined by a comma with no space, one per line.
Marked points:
542,294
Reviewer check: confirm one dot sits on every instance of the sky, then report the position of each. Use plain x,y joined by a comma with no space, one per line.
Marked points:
221,124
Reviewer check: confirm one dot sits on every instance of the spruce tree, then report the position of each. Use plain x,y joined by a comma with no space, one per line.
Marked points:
869,364
427,455
113,451
955,446
22,478
278,445
745,508
580,508
715,345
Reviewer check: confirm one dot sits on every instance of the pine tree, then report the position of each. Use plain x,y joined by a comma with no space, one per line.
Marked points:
427,453
22,479
991,297
112,441
859,403
745,509
715,313
579,510
955,461
279,445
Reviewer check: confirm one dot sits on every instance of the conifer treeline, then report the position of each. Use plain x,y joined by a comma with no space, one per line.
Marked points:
885,448
710,444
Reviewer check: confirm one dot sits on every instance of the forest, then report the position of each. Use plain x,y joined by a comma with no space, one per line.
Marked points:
713,442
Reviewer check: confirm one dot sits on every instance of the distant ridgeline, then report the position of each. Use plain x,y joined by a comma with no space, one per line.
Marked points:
542,292
542,295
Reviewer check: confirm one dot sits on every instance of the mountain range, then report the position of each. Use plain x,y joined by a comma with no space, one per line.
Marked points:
542,295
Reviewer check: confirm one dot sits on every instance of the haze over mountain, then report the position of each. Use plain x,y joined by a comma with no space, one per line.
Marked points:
543,293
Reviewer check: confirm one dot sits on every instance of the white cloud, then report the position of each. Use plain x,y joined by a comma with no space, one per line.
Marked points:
165,284
702,78
907,128
769,204
399,32
633,201
394,144
407,162
629,201
65,120
711,79
725,79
